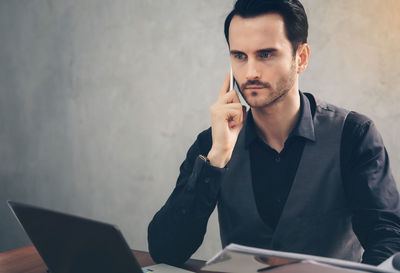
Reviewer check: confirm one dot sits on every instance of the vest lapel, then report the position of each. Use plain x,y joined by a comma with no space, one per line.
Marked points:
237,192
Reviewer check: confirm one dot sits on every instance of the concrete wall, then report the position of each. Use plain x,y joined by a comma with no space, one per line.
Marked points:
100,100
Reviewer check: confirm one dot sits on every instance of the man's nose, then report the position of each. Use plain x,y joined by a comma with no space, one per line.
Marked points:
253,72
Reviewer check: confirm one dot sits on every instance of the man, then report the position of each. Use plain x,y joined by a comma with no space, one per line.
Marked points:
295,174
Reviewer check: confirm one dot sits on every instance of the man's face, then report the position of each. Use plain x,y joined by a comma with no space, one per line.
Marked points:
262,59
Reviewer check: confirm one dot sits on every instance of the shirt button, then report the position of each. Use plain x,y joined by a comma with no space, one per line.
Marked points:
277,159
183,211
207,180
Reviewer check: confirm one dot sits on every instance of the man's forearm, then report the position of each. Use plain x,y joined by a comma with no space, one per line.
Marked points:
178,229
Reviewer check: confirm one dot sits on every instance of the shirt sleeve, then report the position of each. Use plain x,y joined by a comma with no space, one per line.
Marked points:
370,189
178,228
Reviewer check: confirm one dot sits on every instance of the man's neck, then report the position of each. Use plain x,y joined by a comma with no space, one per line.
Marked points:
275,122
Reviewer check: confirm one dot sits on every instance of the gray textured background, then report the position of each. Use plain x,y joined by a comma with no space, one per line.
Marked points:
100,100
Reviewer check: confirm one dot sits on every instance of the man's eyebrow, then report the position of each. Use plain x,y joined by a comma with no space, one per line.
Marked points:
263,50
268,50
236,52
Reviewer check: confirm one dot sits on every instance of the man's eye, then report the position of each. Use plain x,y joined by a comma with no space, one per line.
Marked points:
265,55
240,56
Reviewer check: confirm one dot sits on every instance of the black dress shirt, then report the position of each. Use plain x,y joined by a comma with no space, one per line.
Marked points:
178,228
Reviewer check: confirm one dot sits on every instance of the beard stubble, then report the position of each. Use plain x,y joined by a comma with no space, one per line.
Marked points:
283,86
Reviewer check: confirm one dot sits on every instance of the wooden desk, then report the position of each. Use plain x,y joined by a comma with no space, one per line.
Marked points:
27,260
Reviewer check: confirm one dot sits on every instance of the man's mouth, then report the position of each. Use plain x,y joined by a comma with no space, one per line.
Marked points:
254,87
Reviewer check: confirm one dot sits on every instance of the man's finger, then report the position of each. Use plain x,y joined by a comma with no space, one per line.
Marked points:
234,117
232,106
229,97
225,87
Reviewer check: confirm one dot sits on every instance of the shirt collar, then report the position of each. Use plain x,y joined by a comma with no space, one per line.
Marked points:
304,127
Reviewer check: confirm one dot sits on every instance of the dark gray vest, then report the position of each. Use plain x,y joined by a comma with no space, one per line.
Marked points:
316,218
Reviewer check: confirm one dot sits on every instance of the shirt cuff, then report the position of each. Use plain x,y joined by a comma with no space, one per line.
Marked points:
206,178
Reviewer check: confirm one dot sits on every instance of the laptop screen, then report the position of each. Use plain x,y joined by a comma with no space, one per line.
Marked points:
69,243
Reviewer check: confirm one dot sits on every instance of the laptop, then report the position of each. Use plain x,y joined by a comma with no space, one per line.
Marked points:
73,244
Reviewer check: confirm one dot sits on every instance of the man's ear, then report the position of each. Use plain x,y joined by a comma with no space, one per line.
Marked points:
302,56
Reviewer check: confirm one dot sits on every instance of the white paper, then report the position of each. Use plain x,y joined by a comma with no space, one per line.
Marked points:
311,267
236,258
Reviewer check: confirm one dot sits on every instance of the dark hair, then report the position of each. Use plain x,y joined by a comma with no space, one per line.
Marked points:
292,12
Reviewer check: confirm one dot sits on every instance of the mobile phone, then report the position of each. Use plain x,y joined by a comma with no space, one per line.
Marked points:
232,81
233,85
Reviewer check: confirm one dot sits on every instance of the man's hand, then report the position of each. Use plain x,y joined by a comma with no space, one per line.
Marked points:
227,116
